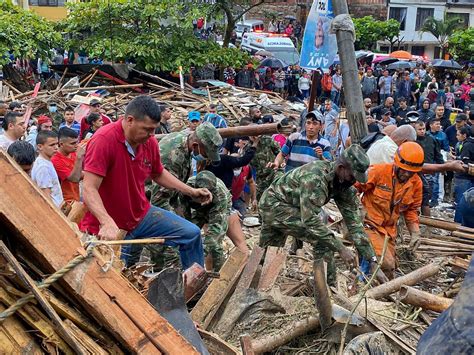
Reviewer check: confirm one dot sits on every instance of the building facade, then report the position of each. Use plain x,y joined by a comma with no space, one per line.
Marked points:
54,10
412,14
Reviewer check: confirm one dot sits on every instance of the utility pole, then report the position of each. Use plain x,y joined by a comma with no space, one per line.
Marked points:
352,90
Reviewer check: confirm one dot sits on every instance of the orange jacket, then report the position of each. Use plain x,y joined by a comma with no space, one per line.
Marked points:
385,198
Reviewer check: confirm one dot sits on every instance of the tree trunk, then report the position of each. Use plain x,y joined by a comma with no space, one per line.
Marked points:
228,31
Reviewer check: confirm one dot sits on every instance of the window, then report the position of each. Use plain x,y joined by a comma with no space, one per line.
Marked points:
463,17
421,15
418,50
384,49
46,2
399,14
437,53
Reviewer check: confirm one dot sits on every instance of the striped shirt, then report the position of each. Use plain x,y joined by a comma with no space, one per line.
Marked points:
216,120
75,126
300,150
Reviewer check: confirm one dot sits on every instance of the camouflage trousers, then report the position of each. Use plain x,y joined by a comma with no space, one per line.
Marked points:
161,197
279,221
163,256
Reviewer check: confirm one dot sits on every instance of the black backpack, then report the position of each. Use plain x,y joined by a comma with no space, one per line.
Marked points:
369,139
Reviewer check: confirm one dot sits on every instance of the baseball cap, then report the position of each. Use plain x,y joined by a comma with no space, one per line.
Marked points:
315,115
211,139
194,116
43,119
386,112
94,102
358,160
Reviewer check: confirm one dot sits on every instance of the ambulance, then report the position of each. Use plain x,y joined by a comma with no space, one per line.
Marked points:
280,45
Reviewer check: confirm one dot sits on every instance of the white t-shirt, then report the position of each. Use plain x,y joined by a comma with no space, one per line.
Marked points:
45,176
5,142
382,151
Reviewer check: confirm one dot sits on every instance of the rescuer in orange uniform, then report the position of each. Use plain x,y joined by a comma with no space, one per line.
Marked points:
392,189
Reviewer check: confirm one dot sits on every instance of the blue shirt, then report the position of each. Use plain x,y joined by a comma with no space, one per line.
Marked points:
216,120
75,126
300,150
442,139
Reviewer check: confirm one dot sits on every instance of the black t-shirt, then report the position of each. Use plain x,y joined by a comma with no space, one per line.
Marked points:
225,169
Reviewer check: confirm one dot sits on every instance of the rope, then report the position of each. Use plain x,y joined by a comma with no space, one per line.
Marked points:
45,284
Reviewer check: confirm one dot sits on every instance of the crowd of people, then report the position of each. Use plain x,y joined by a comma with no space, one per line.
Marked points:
192,180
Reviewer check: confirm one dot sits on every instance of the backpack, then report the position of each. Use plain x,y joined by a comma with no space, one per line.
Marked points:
370,139
326,82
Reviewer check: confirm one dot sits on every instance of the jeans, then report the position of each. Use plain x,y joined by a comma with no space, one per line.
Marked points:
435,194
460,186
304,94
335,96
177,231
466,213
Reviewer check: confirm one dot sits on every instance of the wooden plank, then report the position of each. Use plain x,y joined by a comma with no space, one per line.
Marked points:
274,262
83,339
31,285
246,345
48,236
15,339
250,269
212,299
459,262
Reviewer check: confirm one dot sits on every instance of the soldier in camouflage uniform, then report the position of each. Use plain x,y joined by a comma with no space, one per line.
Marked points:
215,214
291,205
176,151
266,152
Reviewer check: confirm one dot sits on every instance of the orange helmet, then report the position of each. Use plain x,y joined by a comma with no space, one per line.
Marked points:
410,157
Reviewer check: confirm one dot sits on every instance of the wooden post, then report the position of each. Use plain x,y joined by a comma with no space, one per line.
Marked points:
423,299
313,92
321,294
350,79
409,279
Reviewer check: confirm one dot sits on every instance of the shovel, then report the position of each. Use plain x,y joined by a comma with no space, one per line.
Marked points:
166,294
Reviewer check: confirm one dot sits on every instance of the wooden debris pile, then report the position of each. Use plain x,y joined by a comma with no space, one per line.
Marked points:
79,87
56,296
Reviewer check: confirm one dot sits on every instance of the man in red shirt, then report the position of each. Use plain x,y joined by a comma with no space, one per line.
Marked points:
94,108
120,157
68,163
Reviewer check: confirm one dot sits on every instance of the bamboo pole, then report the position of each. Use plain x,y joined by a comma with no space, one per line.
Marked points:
423,299
409,279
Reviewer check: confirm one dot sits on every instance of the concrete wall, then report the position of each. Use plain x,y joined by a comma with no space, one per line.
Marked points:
54,13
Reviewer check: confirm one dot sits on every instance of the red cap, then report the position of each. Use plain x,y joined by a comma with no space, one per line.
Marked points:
43,119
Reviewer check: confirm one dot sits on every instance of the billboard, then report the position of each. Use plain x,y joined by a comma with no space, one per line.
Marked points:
319,46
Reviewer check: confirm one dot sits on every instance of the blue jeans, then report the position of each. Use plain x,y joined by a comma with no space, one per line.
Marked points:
435,194
466,213
177,231
335,96
304,94
460,186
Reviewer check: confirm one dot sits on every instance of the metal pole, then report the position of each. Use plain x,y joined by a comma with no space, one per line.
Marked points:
352,91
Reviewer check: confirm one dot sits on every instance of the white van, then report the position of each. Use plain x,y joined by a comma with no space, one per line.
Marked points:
279,45
250,26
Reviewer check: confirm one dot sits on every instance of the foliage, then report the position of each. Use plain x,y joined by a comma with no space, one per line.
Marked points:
369,31
441,29
155,35
461,44
25,34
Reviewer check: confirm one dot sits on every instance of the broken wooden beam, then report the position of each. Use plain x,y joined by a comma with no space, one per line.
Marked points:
246,345
446,225
40,228
212,299
321,295
423,299
409,280
104,87
274,261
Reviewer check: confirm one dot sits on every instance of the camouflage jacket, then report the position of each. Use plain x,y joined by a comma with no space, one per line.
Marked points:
175,155
267,150
309,188
214,214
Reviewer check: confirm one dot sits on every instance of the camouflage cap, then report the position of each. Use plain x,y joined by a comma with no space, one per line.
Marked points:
211,139
358,160
205,179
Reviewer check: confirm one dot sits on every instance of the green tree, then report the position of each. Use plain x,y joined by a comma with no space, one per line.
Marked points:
442,30
234,11
155,35
369,31
25,34
461,44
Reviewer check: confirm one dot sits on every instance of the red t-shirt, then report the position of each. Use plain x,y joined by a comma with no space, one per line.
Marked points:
238,182
85,126
123,185
63,166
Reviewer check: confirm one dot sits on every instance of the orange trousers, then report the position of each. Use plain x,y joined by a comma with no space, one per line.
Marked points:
377,240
